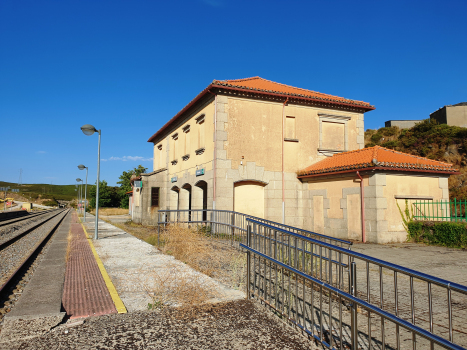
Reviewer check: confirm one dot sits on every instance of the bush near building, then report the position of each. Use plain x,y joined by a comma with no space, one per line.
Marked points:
449,234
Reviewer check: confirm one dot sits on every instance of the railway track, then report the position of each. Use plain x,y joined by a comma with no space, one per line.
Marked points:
6,221
18,253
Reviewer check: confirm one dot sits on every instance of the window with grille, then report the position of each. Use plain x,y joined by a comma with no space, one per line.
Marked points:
154,196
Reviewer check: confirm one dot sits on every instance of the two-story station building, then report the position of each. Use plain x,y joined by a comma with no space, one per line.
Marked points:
286,154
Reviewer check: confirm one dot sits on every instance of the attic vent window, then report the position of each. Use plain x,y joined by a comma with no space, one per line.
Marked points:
159,147
175,136
186,128
200,119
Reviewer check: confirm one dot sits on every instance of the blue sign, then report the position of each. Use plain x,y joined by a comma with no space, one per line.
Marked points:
174,179
200,172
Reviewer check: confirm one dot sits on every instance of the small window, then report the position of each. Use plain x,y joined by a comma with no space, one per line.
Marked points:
200,134
290,128
154,196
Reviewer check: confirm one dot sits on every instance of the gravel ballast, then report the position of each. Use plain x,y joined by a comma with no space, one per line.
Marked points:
240,324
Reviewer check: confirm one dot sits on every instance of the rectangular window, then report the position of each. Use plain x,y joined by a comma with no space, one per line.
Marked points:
200,126
186,132
333,133
333,136
154,196
175,146
158,163
290,128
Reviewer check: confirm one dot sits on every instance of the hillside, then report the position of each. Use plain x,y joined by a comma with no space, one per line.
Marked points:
38,193
431,140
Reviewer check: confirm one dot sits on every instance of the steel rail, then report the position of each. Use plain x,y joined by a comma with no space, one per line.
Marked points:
22,218
363,304
34,250
243,216
397,268
13,239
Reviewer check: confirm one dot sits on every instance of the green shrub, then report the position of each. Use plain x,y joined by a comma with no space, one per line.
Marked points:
449,234
376,137
391,144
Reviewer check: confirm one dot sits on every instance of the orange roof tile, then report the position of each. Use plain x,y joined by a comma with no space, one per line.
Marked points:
264,85
375,157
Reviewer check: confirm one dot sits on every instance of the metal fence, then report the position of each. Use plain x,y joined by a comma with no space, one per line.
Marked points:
343,298
442,210
232,225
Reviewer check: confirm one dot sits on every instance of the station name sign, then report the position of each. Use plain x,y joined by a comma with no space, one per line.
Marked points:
174,179
200,172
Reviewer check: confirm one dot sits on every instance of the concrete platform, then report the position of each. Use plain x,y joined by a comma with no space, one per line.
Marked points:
40,306
139,270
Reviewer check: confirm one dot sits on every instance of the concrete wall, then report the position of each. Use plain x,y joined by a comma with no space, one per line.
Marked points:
451,115
402,124
400,187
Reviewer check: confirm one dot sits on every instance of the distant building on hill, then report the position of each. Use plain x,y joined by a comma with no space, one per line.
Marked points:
402,124
455,115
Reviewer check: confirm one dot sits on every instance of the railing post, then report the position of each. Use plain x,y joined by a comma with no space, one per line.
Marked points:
353,291
232,222
248,262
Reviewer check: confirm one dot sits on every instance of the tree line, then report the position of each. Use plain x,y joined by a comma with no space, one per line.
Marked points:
114,196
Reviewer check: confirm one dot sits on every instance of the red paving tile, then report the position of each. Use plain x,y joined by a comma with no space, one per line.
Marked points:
84,293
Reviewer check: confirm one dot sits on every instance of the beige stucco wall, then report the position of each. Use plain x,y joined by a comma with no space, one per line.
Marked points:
189,165
334,188
410,187
254,132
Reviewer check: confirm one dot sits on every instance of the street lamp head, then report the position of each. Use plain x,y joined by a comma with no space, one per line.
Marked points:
78,180
88,129
81,167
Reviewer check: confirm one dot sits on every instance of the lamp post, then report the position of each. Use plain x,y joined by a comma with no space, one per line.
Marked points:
82,167
80,193
89,130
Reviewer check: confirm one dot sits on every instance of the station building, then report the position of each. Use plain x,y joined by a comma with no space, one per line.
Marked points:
286,154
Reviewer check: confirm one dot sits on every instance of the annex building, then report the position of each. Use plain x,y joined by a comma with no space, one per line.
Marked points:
286,154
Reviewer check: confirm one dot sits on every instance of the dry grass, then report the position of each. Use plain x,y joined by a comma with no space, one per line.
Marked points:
187,246
110,211
68,248
210,256
175,286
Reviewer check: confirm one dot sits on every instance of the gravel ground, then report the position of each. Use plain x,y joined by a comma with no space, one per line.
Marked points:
234,325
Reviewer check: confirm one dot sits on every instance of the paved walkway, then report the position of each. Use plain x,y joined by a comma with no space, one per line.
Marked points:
142,275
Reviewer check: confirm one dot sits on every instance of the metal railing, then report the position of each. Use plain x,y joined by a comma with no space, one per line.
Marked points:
232,225
289,269
442,210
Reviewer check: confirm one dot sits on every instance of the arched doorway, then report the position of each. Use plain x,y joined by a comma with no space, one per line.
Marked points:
201,197
249,197
174,201
185,200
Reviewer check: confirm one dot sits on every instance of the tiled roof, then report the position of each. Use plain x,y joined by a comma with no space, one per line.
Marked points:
268,86
375,157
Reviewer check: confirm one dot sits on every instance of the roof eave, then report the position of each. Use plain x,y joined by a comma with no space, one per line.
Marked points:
377,168
212,85
292,96
189,105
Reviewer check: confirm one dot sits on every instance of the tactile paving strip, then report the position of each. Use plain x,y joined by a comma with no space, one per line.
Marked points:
84,293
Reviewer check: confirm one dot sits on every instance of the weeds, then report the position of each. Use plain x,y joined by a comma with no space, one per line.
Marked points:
175,286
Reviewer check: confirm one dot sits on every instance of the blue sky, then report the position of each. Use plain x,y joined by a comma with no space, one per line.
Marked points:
127,67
